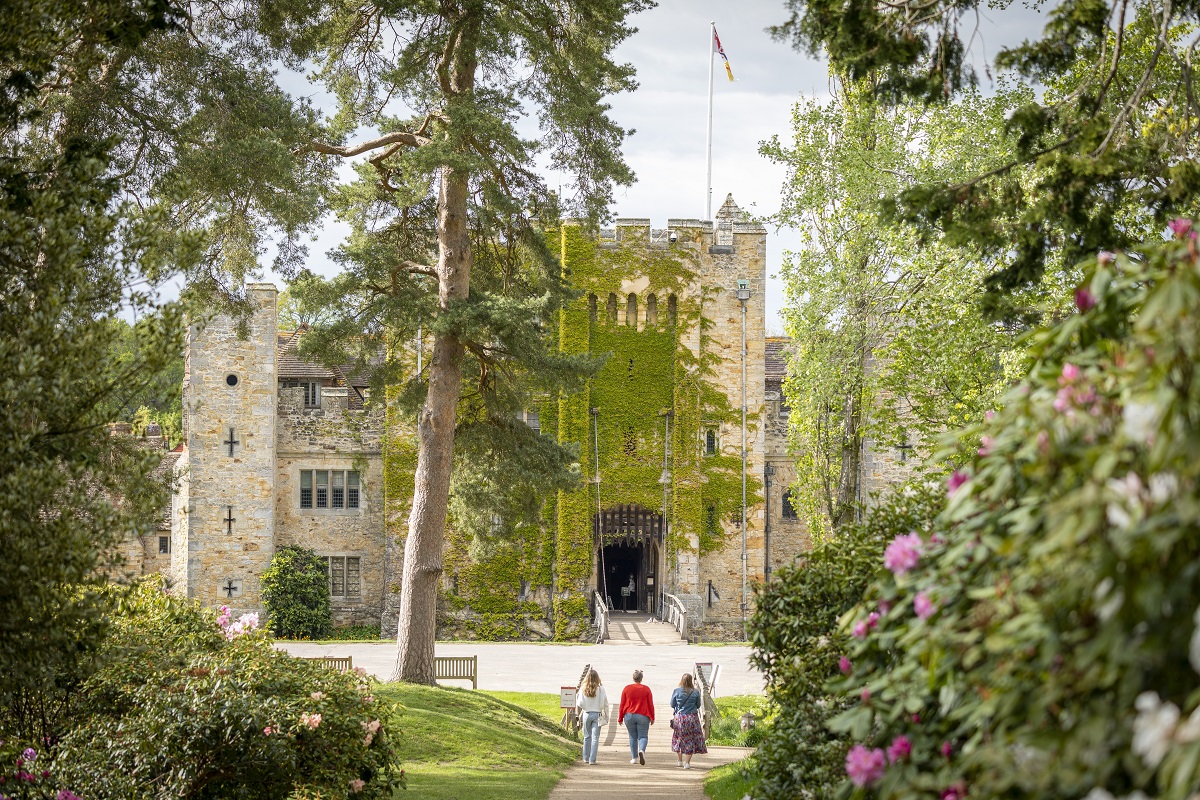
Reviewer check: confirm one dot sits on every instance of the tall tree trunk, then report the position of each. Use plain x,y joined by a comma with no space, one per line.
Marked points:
417,626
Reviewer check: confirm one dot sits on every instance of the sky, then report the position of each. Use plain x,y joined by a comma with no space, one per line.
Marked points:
668,113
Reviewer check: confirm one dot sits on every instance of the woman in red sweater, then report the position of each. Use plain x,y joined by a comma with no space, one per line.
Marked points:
637,712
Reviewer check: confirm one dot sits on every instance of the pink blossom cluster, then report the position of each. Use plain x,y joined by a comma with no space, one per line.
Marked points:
1074,392
245,623
845,665
864,625
955,792
1181,227
270,729
924,606
956,481
311,720
865,766
899,749
903,553
357,785
371,728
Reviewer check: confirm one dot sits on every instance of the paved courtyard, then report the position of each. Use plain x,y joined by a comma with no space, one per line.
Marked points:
652,647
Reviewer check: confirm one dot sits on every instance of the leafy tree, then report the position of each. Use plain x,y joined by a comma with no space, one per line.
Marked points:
889,340
797,644
68,491
146,396
1045,643
449,218
1101,157
295,591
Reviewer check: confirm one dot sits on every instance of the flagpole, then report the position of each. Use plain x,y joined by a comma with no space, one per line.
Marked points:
712,32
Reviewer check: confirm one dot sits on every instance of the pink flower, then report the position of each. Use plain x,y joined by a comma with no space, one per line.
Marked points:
872,619
311,720
923,606
1180,227
947,750
989,414
267,731
955,792
245,623
985,446
955,481
1070,373
845,665
368,699
903,553
66,794
899,749
29,755
916,719
1084,299
860,629
864,766
865,695
317,695
1104,258
357,785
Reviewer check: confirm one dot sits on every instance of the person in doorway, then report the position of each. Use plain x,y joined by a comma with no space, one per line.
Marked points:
687,734
592,705
630,594
637,712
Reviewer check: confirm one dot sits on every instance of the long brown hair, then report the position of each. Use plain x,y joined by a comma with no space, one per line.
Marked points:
591,683
686,682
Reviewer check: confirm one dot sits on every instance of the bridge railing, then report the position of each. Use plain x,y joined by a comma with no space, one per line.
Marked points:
600,622
677,614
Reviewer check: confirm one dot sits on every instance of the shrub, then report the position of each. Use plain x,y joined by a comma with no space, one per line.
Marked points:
295,590
189,706
1047,643
797,645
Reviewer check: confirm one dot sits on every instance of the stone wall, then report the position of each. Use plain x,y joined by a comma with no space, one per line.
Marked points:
333,438
230,384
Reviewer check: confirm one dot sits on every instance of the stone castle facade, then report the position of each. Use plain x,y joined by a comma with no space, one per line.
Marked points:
281,452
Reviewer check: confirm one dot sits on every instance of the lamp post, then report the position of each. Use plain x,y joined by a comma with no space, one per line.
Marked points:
743,294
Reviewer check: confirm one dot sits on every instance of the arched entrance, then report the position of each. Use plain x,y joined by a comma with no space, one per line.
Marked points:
629,556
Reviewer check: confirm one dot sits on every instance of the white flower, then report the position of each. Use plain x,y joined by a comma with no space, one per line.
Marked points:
1099,794
1154,727
1194,645
1113,604
1128,488
1190,730
1141,421
1118,517
1163,486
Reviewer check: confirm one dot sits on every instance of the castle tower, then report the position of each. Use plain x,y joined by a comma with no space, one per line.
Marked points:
224,527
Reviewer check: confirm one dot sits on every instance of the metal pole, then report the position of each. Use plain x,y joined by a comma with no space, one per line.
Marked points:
599,514
662,576
744,581
712,33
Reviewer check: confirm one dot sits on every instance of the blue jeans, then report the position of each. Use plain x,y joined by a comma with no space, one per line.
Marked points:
638,726
591,735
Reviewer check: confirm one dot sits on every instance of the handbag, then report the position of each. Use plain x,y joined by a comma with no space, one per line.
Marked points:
673,725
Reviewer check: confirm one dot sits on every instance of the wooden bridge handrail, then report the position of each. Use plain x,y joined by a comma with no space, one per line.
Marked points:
601,619
677,614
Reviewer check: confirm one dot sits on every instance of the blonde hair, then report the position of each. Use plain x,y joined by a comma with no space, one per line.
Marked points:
686,681
591,683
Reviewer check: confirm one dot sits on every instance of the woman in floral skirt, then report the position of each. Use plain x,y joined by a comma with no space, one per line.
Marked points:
687,736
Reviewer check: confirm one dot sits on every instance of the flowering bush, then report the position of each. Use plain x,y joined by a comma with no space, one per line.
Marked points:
186,705
25,774
1046,643
296,594
798,647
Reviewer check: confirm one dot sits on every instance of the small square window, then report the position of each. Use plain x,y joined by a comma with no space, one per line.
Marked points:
322,488
789,506
164,545
306,488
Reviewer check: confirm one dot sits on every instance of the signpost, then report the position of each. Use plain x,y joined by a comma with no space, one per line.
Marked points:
566,697
705,669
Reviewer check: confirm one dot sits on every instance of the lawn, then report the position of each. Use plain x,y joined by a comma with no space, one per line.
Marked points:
727,782
544,704
456,744
727,728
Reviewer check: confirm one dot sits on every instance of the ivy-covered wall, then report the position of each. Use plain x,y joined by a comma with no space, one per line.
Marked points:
673,354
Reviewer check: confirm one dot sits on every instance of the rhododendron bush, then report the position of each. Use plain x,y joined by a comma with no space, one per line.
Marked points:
1043,640
198,704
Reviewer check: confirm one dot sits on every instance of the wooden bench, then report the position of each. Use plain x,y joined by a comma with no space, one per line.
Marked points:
462,668
333,662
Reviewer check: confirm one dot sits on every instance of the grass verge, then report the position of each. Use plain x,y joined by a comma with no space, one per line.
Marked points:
727,782
544,704
456,744
727,728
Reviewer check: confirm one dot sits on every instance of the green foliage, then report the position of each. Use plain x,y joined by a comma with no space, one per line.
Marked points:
729,781
890,343
727,728
1104,155
144,395
1059,652
794,633
68,491
354,633
183,708
295,591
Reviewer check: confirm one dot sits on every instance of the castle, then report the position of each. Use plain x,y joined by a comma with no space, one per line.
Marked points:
281,452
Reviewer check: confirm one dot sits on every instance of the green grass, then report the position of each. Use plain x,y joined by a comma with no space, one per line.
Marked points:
456,744
544,704
727,728
727,782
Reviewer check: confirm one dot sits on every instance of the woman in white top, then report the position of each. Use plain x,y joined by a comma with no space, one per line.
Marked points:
592,704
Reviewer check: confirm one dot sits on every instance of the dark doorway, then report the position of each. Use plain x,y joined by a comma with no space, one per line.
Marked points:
623,564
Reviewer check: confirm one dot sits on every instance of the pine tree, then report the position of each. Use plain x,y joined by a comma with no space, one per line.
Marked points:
454,240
